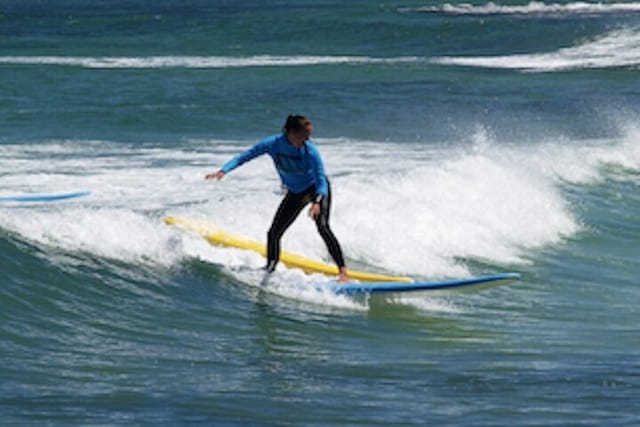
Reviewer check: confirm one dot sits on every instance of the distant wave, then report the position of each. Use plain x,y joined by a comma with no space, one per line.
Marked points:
617,49
197,61
532,8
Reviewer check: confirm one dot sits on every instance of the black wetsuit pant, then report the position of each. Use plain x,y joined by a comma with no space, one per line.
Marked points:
288,211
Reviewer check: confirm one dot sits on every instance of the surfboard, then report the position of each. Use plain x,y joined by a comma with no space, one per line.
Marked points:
363,282
218,237
44,197
454,285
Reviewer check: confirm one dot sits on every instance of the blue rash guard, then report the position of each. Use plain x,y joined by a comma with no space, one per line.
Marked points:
299,168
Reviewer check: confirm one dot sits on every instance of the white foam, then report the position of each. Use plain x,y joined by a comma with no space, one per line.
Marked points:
117,234
150,62
428,221
531,8
294,284
615,49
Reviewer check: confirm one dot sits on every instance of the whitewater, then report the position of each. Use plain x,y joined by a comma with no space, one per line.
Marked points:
482,201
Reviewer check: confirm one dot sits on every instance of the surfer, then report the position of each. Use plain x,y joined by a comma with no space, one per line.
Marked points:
301,170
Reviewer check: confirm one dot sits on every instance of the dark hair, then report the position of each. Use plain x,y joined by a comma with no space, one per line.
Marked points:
295,123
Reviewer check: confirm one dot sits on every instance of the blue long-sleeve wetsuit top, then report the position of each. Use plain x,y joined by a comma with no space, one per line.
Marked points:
299,168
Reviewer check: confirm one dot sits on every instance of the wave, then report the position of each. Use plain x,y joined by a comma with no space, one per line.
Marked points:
199,61
454,203
617,49
532,8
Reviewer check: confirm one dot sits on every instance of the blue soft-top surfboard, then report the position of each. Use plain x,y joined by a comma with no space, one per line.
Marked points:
459,285
44,197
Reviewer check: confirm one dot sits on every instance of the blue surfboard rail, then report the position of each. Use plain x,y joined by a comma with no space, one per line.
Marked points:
44,197
471,283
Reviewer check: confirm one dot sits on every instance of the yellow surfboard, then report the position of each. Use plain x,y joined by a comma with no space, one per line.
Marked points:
218,237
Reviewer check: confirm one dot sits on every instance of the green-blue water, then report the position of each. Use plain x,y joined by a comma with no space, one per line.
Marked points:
460,140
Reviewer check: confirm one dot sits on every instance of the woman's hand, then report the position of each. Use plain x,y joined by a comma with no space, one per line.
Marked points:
314,210
216,175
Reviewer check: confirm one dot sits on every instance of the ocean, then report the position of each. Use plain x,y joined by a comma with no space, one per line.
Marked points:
460,139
